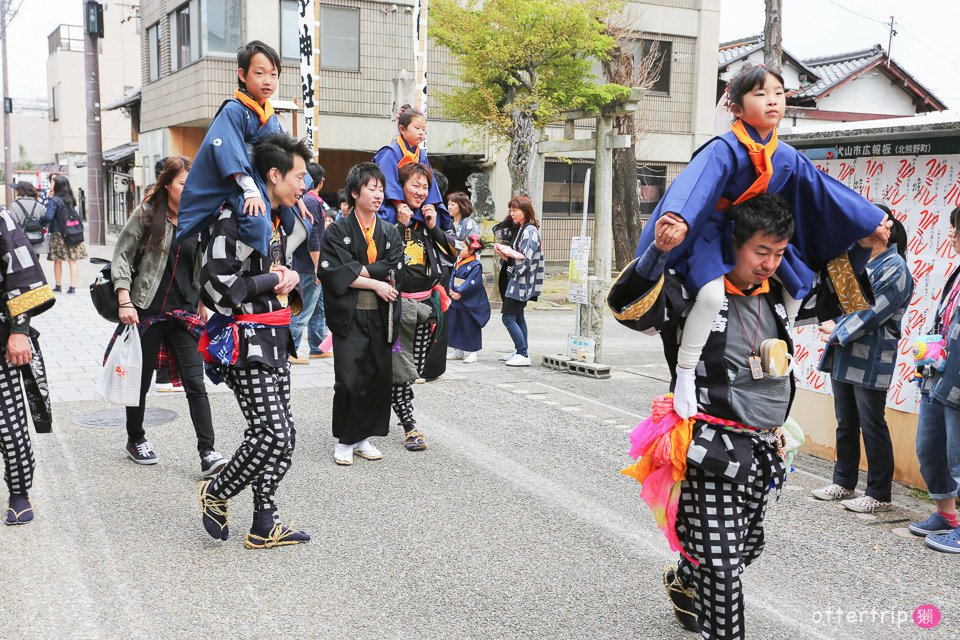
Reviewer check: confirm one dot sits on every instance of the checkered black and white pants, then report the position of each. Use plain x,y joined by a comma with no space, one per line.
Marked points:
401,395
18,463
266,452
720,523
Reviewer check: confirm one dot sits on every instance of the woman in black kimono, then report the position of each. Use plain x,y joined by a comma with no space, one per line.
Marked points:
361,262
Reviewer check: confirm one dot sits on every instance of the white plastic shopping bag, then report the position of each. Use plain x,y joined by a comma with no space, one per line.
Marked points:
120,380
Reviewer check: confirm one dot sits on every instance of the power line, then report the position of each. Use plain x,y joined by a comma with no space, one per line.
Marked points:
930,49
885,24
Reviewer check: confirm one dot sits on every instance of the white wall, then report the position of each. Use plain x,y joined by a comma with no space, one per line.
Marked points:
263,22
872,92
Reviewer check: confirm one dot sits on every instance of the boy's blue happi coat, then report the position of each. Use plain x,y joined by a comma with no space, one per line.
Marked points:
830,217
210,183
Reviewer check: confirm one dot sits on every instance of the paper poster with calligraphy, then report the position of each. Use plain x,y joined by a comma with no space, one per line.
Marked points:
921,190
309,38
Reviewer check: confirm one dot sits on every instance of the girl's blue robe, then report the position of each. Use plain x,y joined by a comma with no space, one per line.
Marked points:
830,217
468,315
210,183
388,159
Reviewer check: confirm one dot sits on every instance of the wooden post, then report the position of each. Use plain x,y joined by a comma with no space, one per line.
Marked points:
773,35
602,242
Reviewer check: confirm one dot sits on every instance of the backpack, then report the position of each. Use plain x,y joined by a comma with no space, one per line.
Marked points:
72,225
31,223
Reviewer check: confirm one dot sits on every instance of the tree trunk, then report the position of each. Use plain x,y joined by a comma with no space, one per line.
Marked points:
626,200
773,35
523,151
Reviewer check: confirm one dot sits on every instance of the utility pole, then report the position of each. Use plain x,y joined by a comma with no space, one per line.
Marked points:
893,32
7,163
93,29
773,35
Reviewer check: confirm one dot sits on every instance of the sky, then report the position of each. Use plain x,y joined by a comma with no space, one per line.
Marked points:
27,45
926,45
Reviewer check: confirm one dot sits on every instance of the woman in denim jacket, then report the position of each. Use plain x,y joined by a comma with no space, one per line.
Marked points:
938,428
157,280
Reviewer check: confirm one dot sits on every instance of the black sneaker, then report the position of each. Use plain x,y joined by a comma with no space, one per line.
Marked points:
56,289
212,463
141,452
72,290
682,600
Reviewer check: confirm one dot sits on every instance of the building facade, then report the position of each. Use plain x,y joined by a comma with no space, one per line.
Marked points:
365,71
119,52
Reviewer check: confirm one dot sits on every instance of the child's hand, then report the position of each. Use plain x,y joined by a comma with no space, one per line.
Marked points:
669,232
254,207
455,295
304,211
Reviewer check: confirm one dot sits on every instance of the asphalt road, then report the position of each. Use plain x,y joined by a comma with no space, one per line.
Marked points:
514,524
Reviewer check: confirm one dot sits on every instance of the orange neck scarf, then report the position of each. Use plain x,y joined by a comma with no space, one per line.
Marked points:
409,157
761,156
463,261
263,112
733,290
368,234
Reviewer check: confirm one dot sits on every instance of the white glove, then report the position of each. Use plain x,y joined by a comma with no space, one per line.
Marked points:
685,393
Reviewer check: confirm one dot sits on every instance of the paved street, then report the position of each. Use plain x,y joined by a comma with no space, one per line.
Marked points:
514,524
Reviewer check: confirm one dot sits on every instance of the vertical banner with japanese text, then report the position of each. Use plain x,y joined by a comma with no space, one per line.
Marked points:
920,181
309,37
420,14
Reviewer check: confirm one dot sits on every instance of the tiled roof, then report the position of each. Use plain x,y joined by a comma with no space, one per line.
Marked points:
735,50
837,68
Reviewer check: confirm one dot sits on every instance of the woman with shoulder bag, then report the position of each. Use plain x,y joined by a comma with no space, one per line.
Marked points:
62,221
521,274
162,299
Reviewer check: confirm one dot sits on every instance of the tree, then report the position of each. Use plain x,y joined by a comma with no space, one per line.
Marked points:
522,62
773,34
635,63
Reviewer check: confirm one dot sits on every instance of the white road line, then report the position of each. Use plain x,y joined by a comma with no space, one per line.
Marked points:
586,399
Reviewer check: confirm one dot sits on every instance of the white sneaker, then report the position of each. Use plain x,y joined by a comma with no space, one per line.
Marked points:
470,357
832,492
506,356
343,454
866,504
456,354
518,360
366,450
166,387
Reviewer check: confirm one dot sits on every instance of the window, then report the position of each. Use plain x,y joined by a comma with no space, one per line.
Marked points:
221,27
563,188
651,183
153,51
184,32
339,38
55,102
663,52
289,30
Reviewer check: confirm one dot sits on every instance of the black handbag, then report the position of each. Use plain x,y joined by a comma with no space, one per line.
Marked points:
101,292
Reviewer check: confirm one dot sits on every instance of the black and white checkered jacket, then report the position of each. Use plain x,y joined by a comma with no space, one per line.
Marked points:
526,277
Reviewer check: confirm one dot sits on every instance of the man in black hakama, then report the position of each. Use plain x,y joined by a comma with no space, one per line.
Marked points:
361,261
